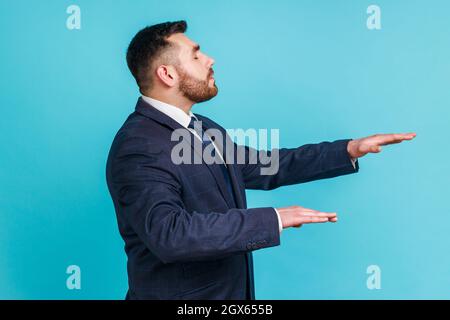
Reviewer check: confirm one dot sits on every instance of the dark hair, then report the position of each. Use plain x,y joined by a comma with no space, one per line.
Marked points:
146,46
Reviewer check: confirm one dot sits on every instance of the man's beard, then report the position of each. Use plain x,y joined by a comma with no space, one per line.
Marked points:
194,89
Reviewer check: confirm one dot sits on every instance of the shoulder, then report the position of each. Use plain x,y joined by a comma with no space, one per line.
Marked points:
138,134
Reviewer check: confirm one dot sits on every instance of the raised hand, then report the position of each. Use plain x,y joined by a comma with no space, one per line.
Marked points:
295,216
360,147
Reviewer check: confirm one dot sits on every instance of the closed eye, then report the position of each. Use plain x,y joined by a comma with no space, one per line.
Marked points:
195,49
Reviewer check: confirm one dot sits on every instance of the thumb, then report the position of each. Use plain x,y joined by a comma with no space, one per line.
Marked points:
375,149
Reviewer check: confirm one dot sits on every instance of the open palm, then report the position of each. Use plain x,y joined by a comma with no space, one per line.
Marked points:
372,144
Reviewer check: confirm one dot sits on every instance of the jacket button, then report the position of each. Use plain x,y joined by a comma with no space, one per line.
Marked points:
249,246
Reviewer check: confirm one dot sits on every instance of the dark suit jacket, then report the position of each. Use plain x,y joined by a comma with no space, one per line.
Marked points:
186,236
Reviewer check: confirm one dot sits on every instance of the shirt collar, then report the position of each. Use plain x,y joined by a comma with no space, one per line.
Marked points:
172,111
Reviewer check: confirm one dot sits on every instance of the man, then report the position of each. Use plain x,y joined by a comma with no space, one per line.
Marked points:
187,230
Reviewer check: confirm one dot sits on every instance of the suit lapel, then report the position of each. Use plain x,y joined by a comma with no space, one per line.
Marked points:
147,110
227,154
231,167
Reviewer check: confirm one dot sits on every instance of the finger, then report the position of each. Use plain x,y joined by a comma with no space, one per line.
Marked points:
405,136
375,148
388,139
335,219
305,210
314,220
410,134
394,138
308,210
320,214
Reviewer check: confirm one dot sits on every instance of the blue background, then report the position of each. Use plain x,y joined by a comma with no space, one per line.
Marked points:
310,68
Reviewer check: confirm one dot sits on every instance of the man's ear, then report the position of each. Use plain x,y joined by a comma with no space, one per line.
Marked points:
167,74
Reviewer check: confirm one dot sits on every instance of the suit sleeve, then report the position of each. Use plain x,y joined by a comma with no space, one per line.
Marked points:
297,165
149,198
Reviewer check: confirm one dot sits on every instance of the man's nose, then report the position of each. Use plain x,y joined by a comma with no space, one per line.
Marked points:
211,62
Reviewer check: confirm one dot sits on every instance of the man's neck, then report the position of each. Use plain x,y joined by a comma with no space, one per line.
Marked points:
179,102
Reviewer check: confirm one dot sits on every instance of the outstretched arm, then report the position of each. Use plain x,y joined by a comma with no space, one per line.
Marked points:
296,165
312,162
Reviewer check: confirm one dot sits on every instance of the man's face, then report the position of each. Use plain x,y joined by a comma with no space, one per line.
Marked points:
196,76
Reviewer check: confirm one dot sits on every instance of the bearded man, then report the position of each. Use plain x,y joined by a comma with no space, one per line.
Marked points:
188,232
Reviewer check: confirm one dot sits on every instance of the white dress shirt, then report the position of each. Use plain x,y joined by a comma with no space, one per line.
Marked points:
179,116
184,119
